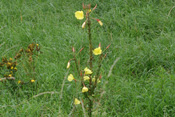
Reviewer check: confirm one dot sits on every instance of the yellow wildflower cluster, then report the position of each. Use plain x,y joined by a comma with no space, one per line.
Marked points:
7,67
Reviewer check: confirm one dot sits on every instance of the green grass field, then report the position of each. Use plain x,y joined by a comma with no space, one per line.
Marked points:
142,33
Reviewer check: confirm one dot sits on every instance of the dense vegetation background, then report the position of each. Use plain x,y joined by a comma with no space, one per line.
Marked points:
142,34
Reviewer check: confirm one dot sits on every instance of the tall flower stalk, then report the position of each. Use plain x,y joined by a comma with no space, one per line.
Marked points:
85,77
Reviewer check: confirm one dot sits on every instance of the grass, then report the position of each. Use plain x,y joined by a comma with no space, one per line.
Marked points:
142,35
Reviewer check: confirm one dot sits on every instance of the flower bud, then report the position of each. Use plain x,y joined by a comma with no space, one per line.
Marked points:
101,24
68,65
83,25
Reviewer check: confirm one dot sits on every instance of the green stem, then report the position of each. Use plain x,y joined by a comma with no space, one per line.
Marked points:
98,72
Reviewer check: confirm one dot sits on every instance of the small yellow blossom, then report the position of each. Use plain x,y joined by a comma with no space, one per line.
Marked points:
70,78
10,75
68,64
86,78
32,81
93,80
76,101
79,15
9,63
84,89
12,67
83,25
15,68
19,81
87,71
10,59
37,44
97,51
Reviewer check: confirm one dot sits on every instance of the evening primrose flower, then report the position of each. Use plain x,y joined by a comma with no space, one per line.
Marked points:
87,71
70,78
86,78
79,15
10,59
19,81
84,89
97,51
32,81
76,101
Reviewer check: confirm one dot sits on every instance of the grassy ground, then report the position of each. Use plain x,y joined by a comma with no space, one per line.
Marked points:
142,35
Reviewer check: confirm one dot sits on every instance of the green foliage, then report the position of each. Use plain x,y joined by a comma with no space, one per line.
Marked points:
142,35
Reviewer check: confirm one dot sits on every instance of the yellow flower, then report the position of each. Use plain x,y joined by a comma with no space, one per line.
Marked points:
97,51
76,101
19,81
10,59
84,89
9,63
37,44
15,68
70,78
32,81
86,78
10,75
68,64
79,15
87,71
12,67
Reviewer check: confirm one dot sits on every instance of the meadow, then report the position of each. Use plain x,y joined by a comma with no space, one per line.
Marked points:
141,33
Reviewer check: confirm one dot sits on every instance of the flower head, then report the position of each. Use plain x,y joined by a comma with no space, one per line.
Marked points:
70,78
84,89
86,78
87,71
19,81
76,101
10,75
97,51
32,81
79,15
10,59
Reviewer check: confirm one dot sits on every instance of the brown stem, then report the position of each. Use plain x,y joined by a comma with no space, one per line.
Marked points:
90,48
90,64
98,72
76,63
